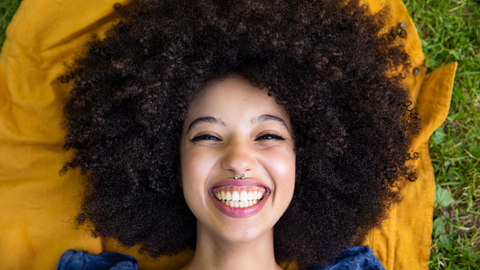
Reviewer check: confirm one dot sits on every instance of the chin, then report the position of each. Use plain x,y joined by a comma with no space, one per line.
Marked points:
240,231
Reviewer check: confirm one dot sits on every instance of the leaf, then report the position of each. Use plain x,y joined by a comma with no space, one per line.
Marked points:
452,183
429,62
445,241
461,115
451,267
452,117
438,136
438,227
466,73
442,197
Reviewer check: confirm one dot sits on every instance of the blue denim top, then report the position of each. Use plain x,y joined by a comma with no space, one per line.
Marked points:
354,258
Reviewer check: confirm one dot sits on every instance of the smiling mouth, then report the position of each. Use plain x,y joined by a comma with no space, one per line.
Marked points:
239,197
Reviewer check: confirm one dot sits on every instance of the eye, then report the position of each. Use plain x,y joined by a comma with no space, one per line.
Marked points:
205,137
270,137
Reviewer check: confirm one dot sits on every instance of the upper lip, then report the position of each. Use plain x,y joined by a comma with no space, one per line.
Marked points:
238,183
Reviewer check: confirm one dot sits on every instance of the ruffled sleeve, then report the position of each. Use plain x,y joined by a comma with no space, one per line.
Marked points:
82,260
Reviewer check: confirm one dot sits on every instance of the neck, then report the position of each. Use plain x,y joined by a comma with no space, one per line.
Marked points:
215,253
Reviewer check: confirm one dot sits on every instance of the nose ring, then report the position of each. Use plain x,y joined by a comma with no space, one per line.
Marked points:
235,176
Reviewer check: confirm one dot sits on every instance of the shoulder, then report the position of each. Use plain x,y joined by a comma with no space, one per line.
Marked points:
78,260
355,258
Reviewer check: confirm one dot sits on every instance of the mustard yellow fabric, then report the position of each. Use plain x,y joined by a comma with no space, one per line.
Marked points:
404,240
38,206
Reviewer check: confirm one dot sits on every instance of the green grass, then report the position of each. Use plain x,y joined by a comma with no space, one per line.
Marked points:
450,31
7,9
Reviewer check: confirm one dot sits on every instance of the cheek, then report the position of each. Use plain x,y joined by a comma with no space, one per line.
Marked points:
196,167
195,163
281,165
283,161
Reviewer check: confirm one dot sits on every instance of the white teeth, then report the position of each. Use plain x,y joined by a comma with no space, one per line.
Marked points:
235,196
243,196
239,204
239,197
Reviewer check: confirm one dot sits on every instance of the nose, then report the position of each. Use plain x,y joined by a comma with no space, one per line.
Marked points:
239,157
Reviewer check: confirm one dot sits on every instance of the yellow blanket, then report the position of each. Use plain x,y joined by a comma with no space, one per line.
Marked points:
37,205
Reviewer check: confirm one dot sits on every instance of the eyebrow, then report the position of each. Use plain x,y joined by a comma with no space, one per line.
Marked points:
269,117
213,120
207,119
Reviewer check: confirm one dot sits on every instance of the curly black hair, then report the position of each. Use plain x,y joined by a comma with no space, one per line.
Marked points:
333,64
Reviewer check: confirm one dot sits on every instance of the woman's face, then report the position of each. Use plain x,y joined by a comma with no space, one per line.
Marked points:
233,127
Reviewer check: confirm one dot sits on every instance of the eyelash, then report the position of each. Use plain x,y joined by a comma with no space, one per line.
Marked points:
211,137
205,137
271,136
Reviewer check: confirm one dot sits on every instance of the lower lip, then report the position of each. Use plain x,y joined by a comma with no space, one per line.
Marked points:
240,212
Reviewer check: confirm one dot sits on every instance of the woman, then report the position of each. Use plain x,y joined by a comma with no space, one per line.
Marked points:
298,102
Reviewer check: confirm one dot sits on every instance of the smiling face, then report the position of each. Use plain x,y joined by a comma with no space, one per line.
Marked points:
233,127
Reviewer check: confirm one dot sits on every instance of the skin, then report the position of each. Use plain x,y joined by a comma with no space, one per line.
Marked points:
238,139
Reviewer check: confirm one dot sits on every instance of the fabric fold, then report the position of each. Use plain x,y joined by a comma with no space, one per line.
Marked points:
38,206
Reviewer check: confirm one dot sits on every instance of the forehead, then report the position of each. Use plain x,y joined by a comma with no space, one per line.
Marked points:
233,98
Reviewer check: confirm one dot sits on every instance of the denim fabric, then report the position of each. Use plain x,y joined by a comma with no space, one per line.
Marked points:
354,258
82,260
